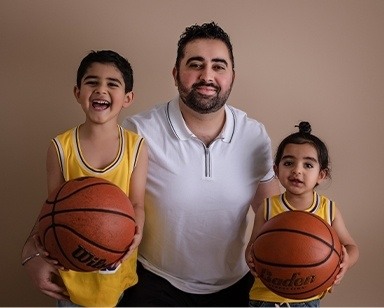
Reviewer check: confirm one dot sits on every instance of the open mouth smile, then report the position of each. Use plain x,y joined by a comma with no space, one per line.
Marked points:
100,104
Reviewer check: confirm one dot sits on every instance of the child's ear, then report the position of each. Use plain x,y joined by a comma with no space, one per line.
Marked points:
276,169
76,92
128,100
322,176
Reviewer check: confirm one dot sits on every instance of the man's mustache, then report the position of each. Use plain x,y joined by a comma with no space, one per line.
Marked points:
205,84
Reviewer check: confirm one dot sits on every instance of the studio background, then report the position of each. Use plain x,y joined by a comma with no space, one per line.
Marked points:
315,60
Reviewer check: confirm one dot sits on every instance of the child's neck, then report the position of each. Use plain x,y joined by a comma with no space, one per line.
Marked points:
300,202
99,144
98,132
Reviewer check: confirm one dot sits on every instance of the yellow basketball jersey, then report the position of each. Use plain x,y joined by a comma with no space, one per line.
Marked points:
101,288
322,207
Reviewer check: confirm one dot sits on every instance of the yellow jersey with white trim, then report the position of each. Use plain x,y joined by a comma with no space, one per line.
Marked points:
104,287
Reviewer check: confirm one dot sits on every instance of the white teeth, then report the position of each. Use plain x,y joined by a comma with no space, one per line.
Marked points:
101,102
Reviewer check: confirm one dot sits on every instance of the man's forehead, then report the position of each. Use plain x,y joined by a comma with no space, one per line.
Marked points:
207,49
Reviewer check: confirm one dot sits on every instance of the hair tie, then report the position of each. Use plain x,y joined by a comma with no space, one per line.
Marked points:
304,127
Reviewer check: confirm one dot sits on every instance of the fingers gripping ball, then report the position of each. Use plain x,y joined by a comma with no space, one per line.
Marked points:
297,255
87,224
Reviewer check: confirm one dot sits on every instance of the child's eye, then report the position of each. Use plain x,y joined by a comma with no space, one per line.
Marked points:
287,163
309,166
91,82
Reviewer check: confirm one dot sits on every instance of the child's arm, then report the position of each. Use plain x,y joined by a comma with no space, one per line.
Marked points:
136,195
257,224
264,190
41,269
350,249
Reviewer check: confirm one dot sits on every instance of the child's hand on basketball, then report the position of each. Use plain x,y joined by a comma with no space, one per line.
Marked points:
343,266
135,243
45,254
136,240
249,260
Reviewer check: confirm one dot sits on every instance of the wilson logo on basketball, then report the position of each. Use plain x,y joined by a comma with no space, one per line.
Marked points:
293,282
87,258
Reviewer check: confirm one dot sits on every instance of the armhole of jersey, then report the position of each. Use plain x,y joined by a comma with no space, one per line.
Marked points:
267,208
60,154
331,212
137,151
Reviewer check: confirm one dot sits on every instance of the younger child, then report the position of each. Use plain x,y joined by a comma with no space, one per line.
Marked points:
301,163
98,147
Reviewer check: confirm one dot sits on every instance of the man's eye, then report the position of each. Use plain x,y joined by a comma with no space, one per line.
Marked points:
195,65
219,67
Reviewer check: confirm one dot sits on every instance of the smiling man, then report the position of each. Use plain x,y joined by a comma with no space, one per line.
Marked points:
208,163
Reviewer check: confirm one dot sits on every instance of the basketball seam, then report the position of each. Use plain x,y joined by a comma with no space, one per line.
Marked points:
76,191
54,212
54,225
332,249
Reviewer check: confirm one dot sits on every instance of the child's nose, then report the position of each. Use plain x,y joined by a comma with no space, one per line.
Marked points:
296,170
101,89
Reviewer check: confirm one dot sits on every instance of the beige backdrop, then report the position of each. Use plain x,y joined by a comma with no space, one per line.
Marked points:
320,61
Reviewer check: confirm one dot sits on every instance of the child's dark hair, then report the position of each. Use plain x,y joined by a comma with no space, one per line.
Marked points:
304,136
107,57
205,31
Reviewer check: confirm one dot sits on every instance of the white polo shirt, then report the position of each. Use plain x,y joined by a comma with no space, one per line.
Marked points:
197,197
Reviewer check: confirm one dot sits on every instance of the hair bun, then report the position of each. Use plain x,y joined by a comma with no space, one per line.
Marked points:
304,127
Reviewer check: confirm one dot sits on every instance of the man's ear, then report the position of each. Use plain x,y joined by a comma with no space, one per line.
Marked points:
128,100
174,74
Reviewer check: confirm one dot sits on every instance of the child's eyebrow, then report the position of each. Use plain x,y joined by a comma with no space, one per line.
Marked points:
287,156
109,78
311,158
307,157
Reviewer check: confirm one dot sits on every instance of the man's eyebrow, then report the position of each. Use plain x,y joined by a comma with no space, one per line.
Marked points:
197,58
194,59
220,60
95,77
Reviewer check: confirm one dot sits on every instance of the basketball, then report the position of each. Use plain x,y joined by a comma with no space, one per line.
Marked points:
297,255
87,224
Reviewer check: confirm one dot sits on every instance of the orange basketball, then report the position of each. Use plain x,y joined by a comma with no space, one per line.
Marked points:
297,255
87,224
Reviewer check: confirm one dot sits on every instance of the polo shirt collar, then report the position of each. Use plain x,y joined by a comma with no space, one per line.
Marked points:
181,130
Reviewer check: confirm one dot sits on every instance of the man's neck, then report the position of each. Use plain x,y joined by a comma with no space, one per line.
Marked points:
206,127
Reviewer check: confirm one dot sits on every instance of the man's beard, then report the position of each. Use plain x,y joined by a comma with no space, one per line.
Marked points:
201,103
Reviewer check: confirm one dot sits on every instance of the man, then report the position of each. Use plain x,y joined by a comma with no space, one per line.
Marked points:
208,163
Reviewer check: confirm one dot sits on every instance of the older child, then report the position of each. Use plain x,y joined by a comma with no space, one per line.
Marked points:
102,148
301,163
